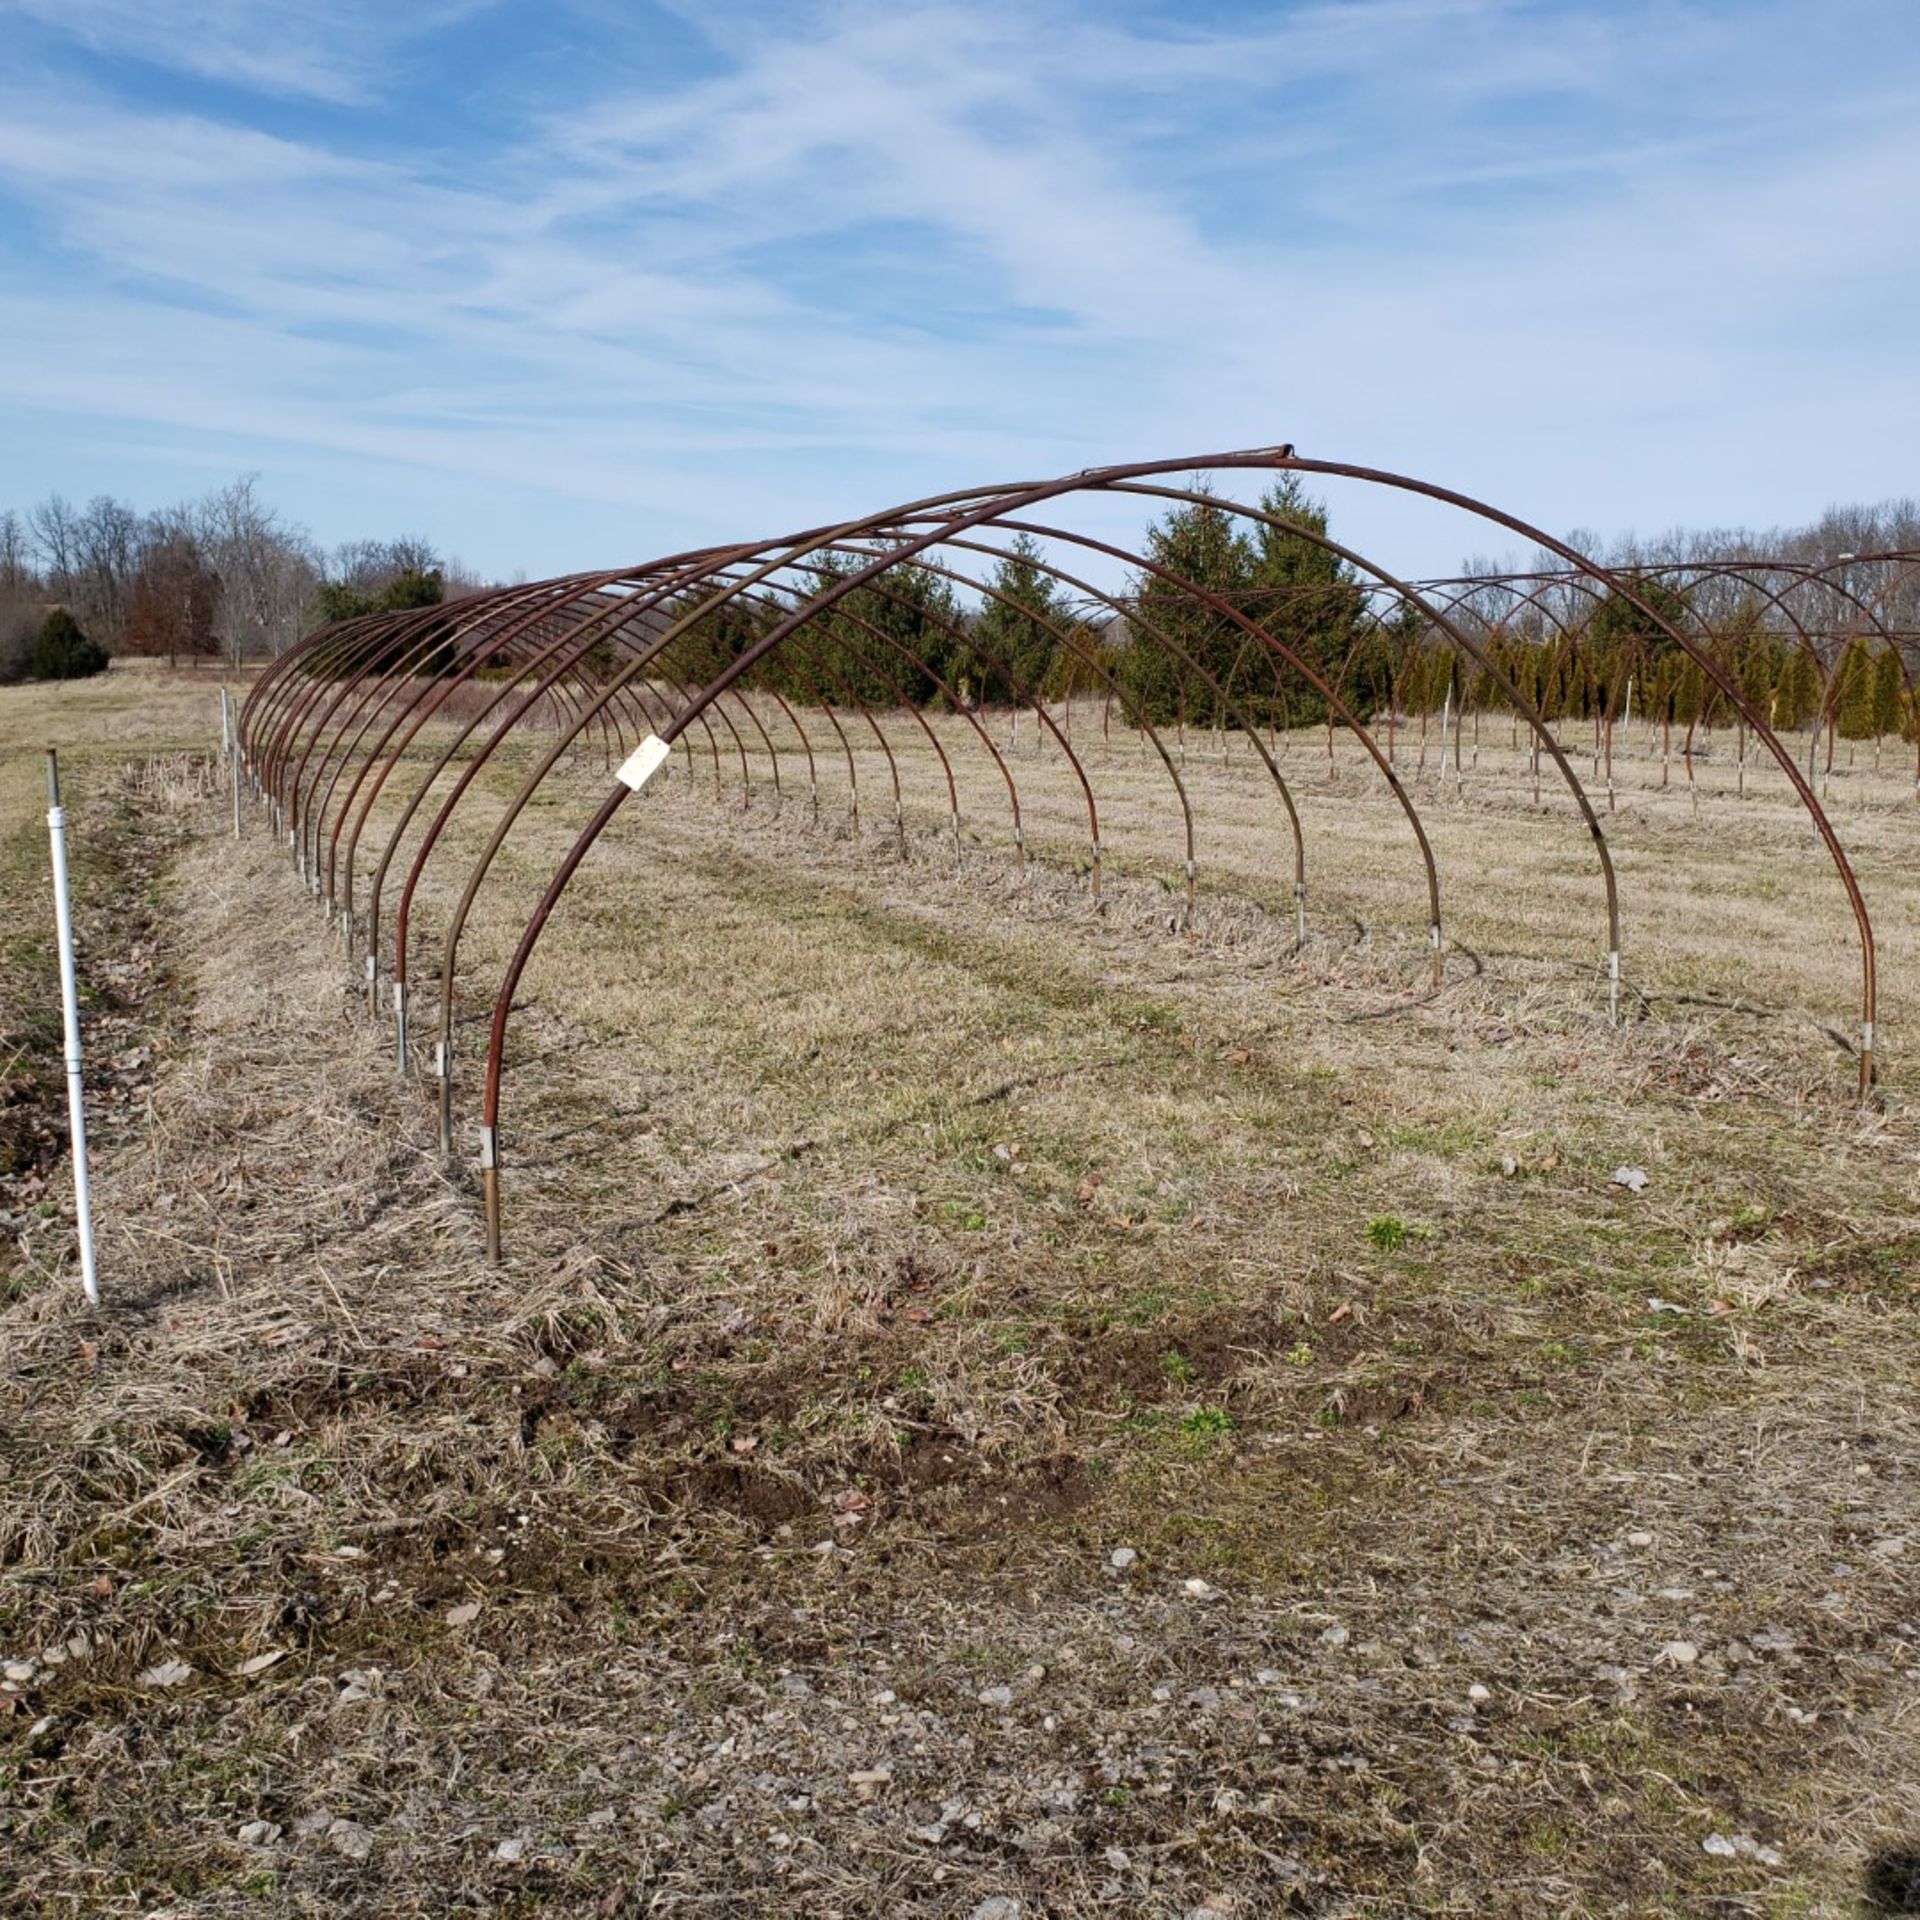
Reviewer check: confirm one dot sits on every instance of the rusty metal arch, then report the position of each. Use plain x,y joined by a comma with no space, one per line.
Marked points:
404,695
1808,574
484,638
413,716
1107,478
877,567
649,659
601,628
1069,640
1751,574
563,653
1412,597
966,519
1073,644
302,728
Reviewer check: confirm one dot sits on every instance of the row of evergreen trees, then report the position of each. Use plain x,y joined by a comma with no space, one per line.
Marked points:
1864,695
1620,658
1165,655
1174,657
1235,619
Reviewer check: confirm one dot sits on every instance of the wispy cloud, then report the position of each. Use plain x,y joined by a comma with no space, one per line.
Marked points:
334,50
1582,256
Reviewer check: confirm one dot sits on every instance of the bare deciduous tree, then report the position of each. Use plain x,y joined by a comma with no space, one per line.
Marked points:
267,569
53,528
14,570
175,597
109,539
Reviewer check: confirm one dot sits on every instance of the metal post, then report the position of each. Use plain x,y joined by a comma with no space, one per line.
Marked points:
490,1192
231,748
70,1017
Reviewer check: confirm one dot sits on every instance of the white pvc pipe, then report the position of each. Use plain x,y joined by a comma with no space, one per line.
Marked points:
70,1015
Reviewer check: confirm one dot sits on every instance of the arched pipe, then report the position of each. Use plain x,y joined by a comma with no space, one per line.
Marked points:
995,505
1737,698
976,508
412,717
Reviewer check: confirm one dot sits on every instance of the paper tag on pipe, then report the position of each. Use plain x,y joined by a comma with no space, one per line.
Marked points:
644,762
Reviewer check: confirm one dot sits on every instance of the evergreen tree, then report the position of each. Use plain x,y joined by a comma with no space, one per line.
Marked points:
1888,687
62,651
1622,639
1079,669
715,639
1017,631
914,609
411,585
1689,694
1798,691
1850,692
1759,661
1366,681
1427,678
1559,678
1198,543
1304,595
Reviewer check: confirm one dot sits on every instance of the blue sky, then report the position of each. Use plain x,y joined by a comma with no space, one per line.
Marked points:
568,284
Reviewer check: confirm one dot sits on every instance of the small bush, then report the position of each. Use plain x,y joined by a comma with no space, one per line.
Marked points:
62,651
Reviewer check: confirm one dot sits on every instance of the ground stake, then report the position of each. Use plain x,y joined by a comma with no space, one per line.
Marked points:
70,1015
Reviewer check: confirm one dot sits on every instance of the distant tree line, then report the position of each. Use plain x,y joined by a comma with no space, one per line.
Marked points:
1238,617
225,577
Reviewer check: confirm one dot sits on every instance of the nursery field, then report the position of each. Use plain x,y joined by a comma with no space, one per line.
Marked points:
996,1404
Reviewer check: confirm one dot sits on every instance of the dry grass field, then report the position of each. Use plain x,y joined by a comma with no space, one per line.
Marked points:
993,1407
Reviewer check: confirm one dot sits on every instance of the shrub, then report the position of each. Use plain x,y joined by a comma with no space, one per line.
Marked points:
62,651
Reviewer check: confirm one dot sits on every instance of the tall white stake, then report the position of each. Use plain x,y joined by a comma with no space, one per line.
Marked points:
70,1014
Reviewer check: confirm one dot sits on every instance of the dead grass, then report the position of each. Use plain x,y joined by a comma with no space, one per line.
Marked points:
894,1242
